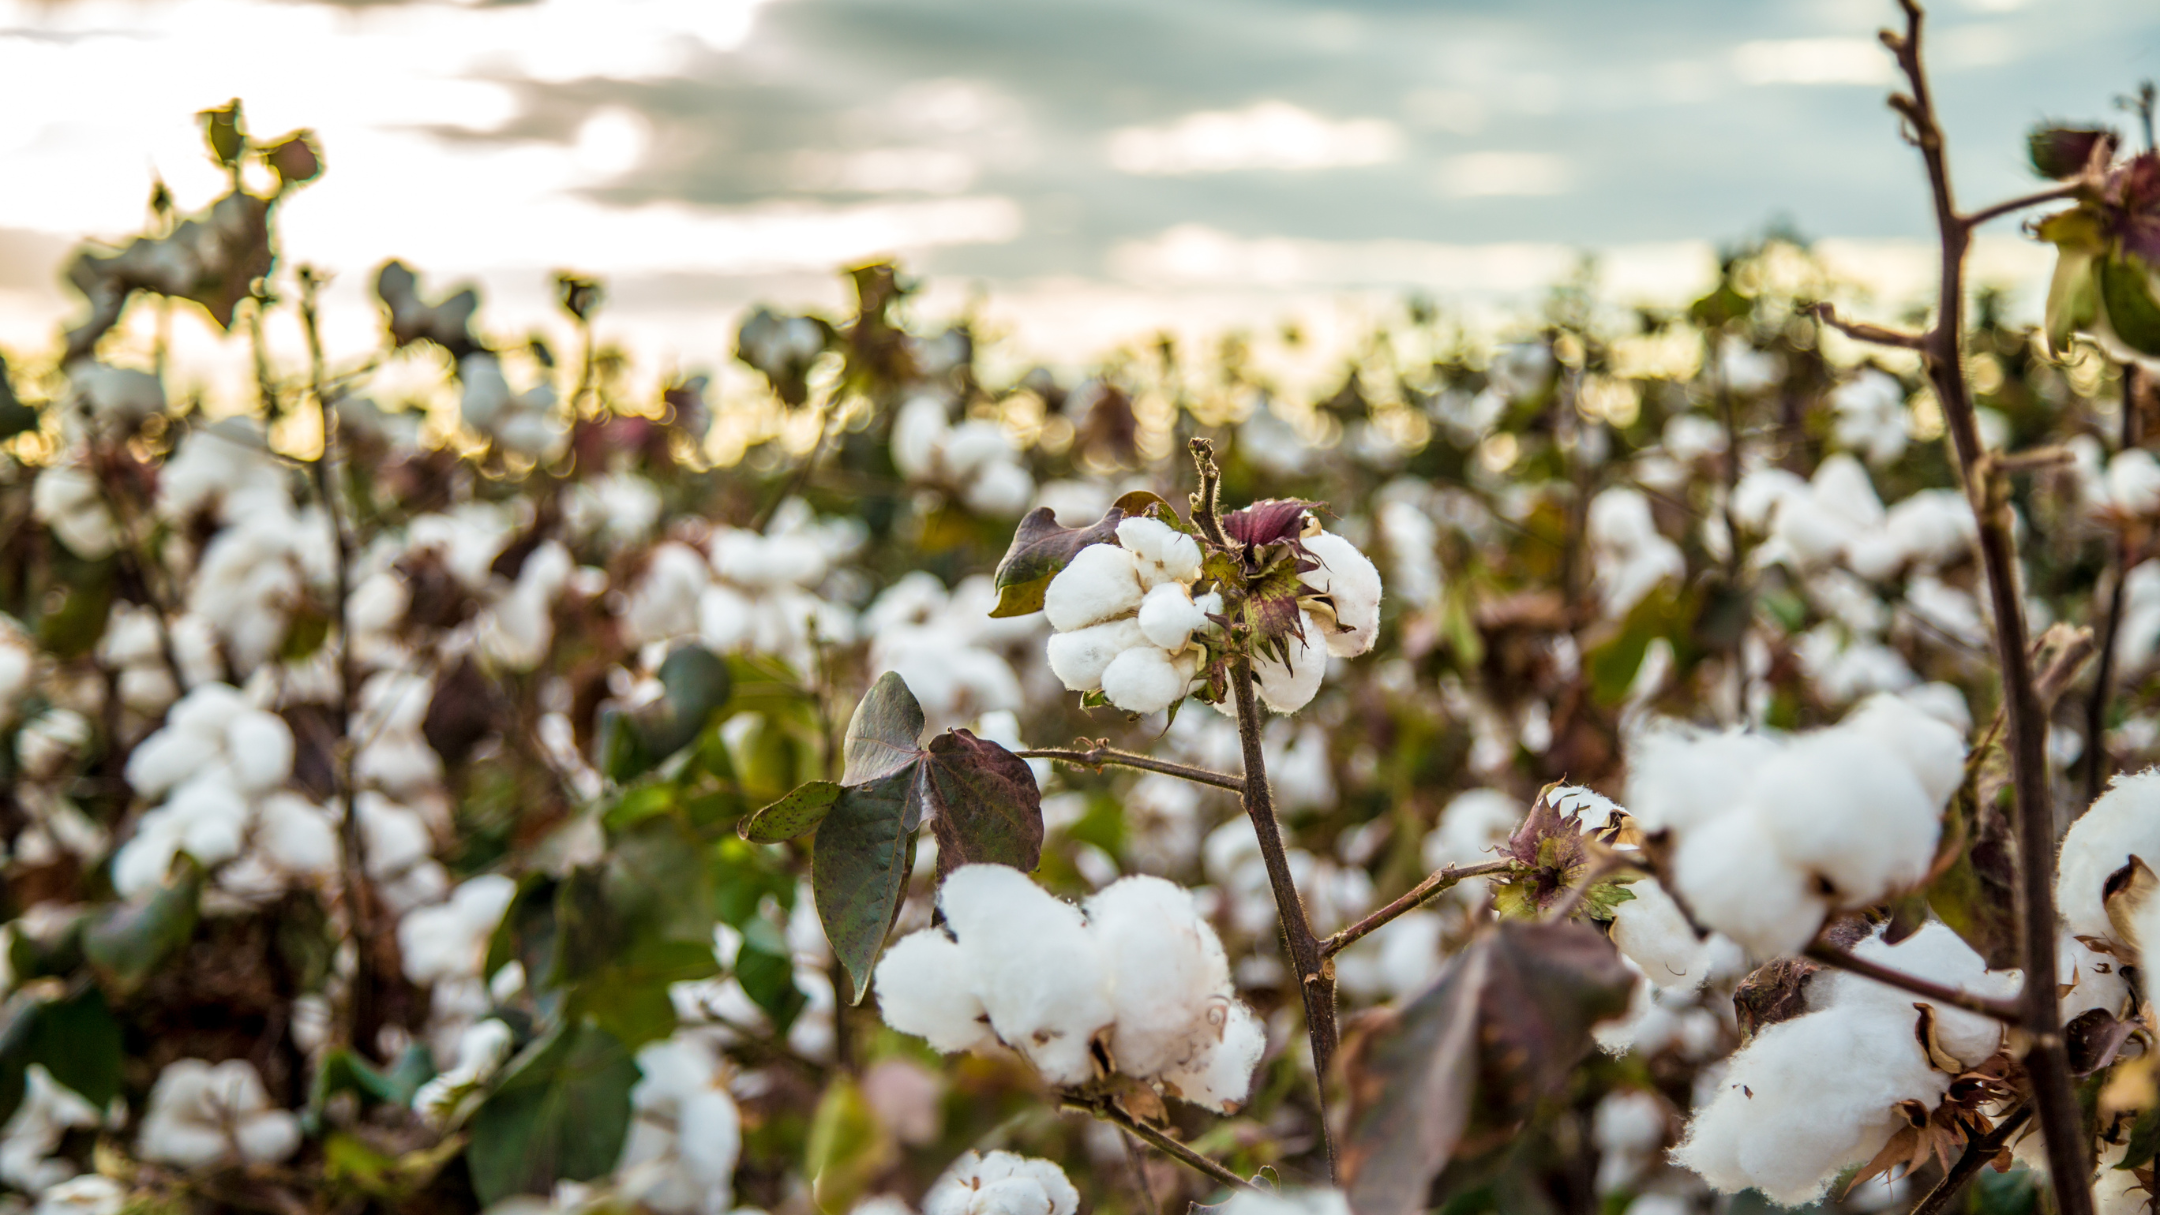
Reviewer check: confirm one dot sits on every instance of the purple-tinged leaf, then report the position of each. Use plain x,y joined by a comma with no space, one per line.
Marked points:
1040,548
988,806
1271,521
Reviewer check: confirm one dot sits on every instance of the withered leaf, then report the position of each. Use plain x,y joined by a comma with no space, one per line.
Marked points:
1040,548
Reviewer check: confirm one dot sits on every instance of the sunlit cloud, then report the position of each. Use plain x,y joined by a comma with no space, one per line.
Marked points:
1504,175
1267,135
1812,61
886,171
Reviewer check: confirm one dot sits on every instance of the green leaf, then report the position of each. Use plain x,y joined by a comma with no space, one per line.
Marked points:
15,417
343,1071
630,925
988,806
78,1041
73,629
560,1113
859,868
225,131
1454,1075
885,734
1040,548
696,684
2126,288
768,978
848,1147
126,944
796,814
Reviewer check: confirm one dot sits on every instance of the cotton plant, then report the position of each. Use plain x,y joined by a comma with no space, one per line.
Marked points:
748,590
975,459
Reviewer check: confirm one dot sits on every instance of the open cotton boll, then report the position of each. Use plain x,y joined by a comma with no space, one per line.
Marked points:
1933,749
1169,978
1145,679
1037,969
1001,1183
67,499
1731,874
1653,934
295,835
449,940
1290,1202
1679,779
1842,805
1161,552
484,393
2087,978
1100,583
1221,1079
1756,499
926,988
665,602
261,746
2123,823
1352,583
1935,953
199,1114
1169,617
1807,1099
1080,657
1288,687
2133,482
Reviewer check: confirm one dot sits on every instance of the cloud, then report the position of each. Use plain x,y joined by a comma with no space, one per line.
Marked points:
1505,175
1266,135
1813,61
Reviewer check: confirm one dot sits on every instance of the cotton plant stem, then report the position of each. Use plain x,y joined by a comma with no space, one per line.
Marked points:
1138,1159
1315,975
2096,759
2007,1011
1110,1112
2047,1059
1434,885
1097,756
1976,1156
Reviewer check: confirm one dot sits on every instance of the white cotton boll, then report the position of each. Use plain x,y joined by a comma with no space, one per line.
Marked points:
1221,1079
1350,580
973,445
1163,553
1937,954
1169,978
1288,687
1759,494
1811,530
2123,823
1079,658
784,559
1946,704
199,1114
1473,825
1169,617
1145,679
89,1194
1806,1099
1653,934
118,392
2133,482
918,433
1101,582
1934,750
1037,969
1679,779
395,837
1843,805
449,940
2087,978
295,835
1001,1183
33,1133
485,394
925,988
261,747
1001,488
665,603
709,1139
1734,878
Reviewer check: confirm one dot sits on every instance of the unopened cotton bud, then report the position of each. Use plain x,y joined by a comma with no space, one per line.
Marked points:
1080,657
1349,579
1169,616
1146,679
1100,583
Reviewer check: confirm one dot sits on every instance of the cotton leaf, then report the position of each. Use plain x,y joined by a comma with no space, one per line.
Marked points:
1040,548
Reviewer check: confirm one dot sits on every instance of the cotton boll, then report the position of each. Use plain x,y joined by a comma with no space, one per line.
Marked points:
1002,488
1288,687
295,835
1001,1183
2123,823
918,432
2133,482
1679,779
1221,1079
1842,805
1101,582
449,940
1937,954
199,1114
1162,552
1169,617
1037,970
1079,658
1145,679
1761,492
1734,878
1934,750
666,601
925,988
67,499
2088,979
261,746
1169,977
1349,579
1653,934
1806,1099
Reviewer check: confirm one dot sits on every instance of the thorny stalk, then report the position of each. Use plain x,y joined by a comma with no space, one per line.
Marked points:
359,901
2006,1011
2047,1059
1098,753
2103,689
1424,892
1315,974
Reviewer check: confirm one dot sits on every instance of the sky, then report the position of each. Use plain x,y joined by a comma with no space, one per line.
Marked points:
1080,172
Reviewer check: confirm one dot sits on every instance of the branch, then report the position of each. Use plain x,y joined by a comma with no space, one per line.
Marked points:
1110,1112
2103,690
1207,504
1977,1153
1315,978
2070,189
1865,332
2055,1102
1101,753
1419,895
2005,1011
